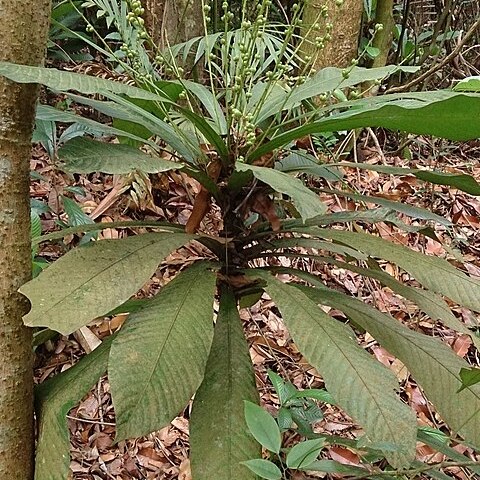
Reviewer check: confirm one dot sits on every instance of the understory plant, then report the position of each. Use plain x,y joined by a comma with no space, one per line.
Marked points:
243,136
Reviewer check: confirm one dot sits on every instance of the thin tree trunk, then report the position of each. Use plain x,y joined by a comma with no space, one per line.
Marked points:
346,21
23,30
173,21
383,38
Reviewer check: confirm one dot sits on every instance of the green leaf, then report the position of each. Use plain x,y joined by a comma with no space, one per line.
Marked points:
219,437
50,114
264,469
359,384
304,453
285,390
316,394
433,365
325,80
35,224
93,279
307,203
62,81
409,210
461,181
263,427
439,441
332,466
76,216
303,162
158,360
469,376
449,115
469,84
83,155
434,273
54,399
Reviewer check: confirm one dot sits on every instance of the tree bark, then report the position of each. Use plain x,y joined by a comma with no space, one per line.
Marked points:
173,21
23,29
346,21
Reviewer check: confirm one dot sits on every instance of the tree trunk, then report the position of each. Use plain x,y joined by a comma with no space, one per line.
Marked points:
383,38
23,29
173,21
346,21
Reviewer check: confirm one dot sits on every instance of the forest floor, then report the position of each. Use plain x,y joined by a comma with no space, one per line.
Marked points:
164,454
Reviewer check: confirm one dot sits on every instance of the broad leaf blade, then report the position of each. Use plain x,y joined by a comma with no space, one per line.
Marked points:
54,399
83,155
307,202
434,273
158,360
461,181
433,365
263,427
304,453
264,469
450,116
359,384
219,437
64,81
91,280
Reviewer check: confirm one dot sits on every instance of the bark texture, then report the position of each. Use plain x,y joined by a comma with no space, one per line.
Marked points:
346,21
23,30
173,21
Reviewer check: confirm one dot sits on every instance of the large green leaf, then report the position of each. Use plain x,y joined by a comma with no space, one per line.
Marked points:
219,437
307,203
452,117
431,303
359,384
325,80
54,399
405,208
435,273
158,360
462,181
83,155
433,365
93,279
50,114
65,81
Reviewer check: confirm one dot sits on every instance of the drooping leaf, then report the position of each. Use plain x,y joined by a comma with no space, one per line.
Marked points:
219,437
434,273
264,468
263,427
65,81
469,377
158,360
76,216
409,210
54,399
298,161
332,466
304,453
440,442
325,80
431,303
307,203
83,155
359,384
433,365
461,181
93,279
448,115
